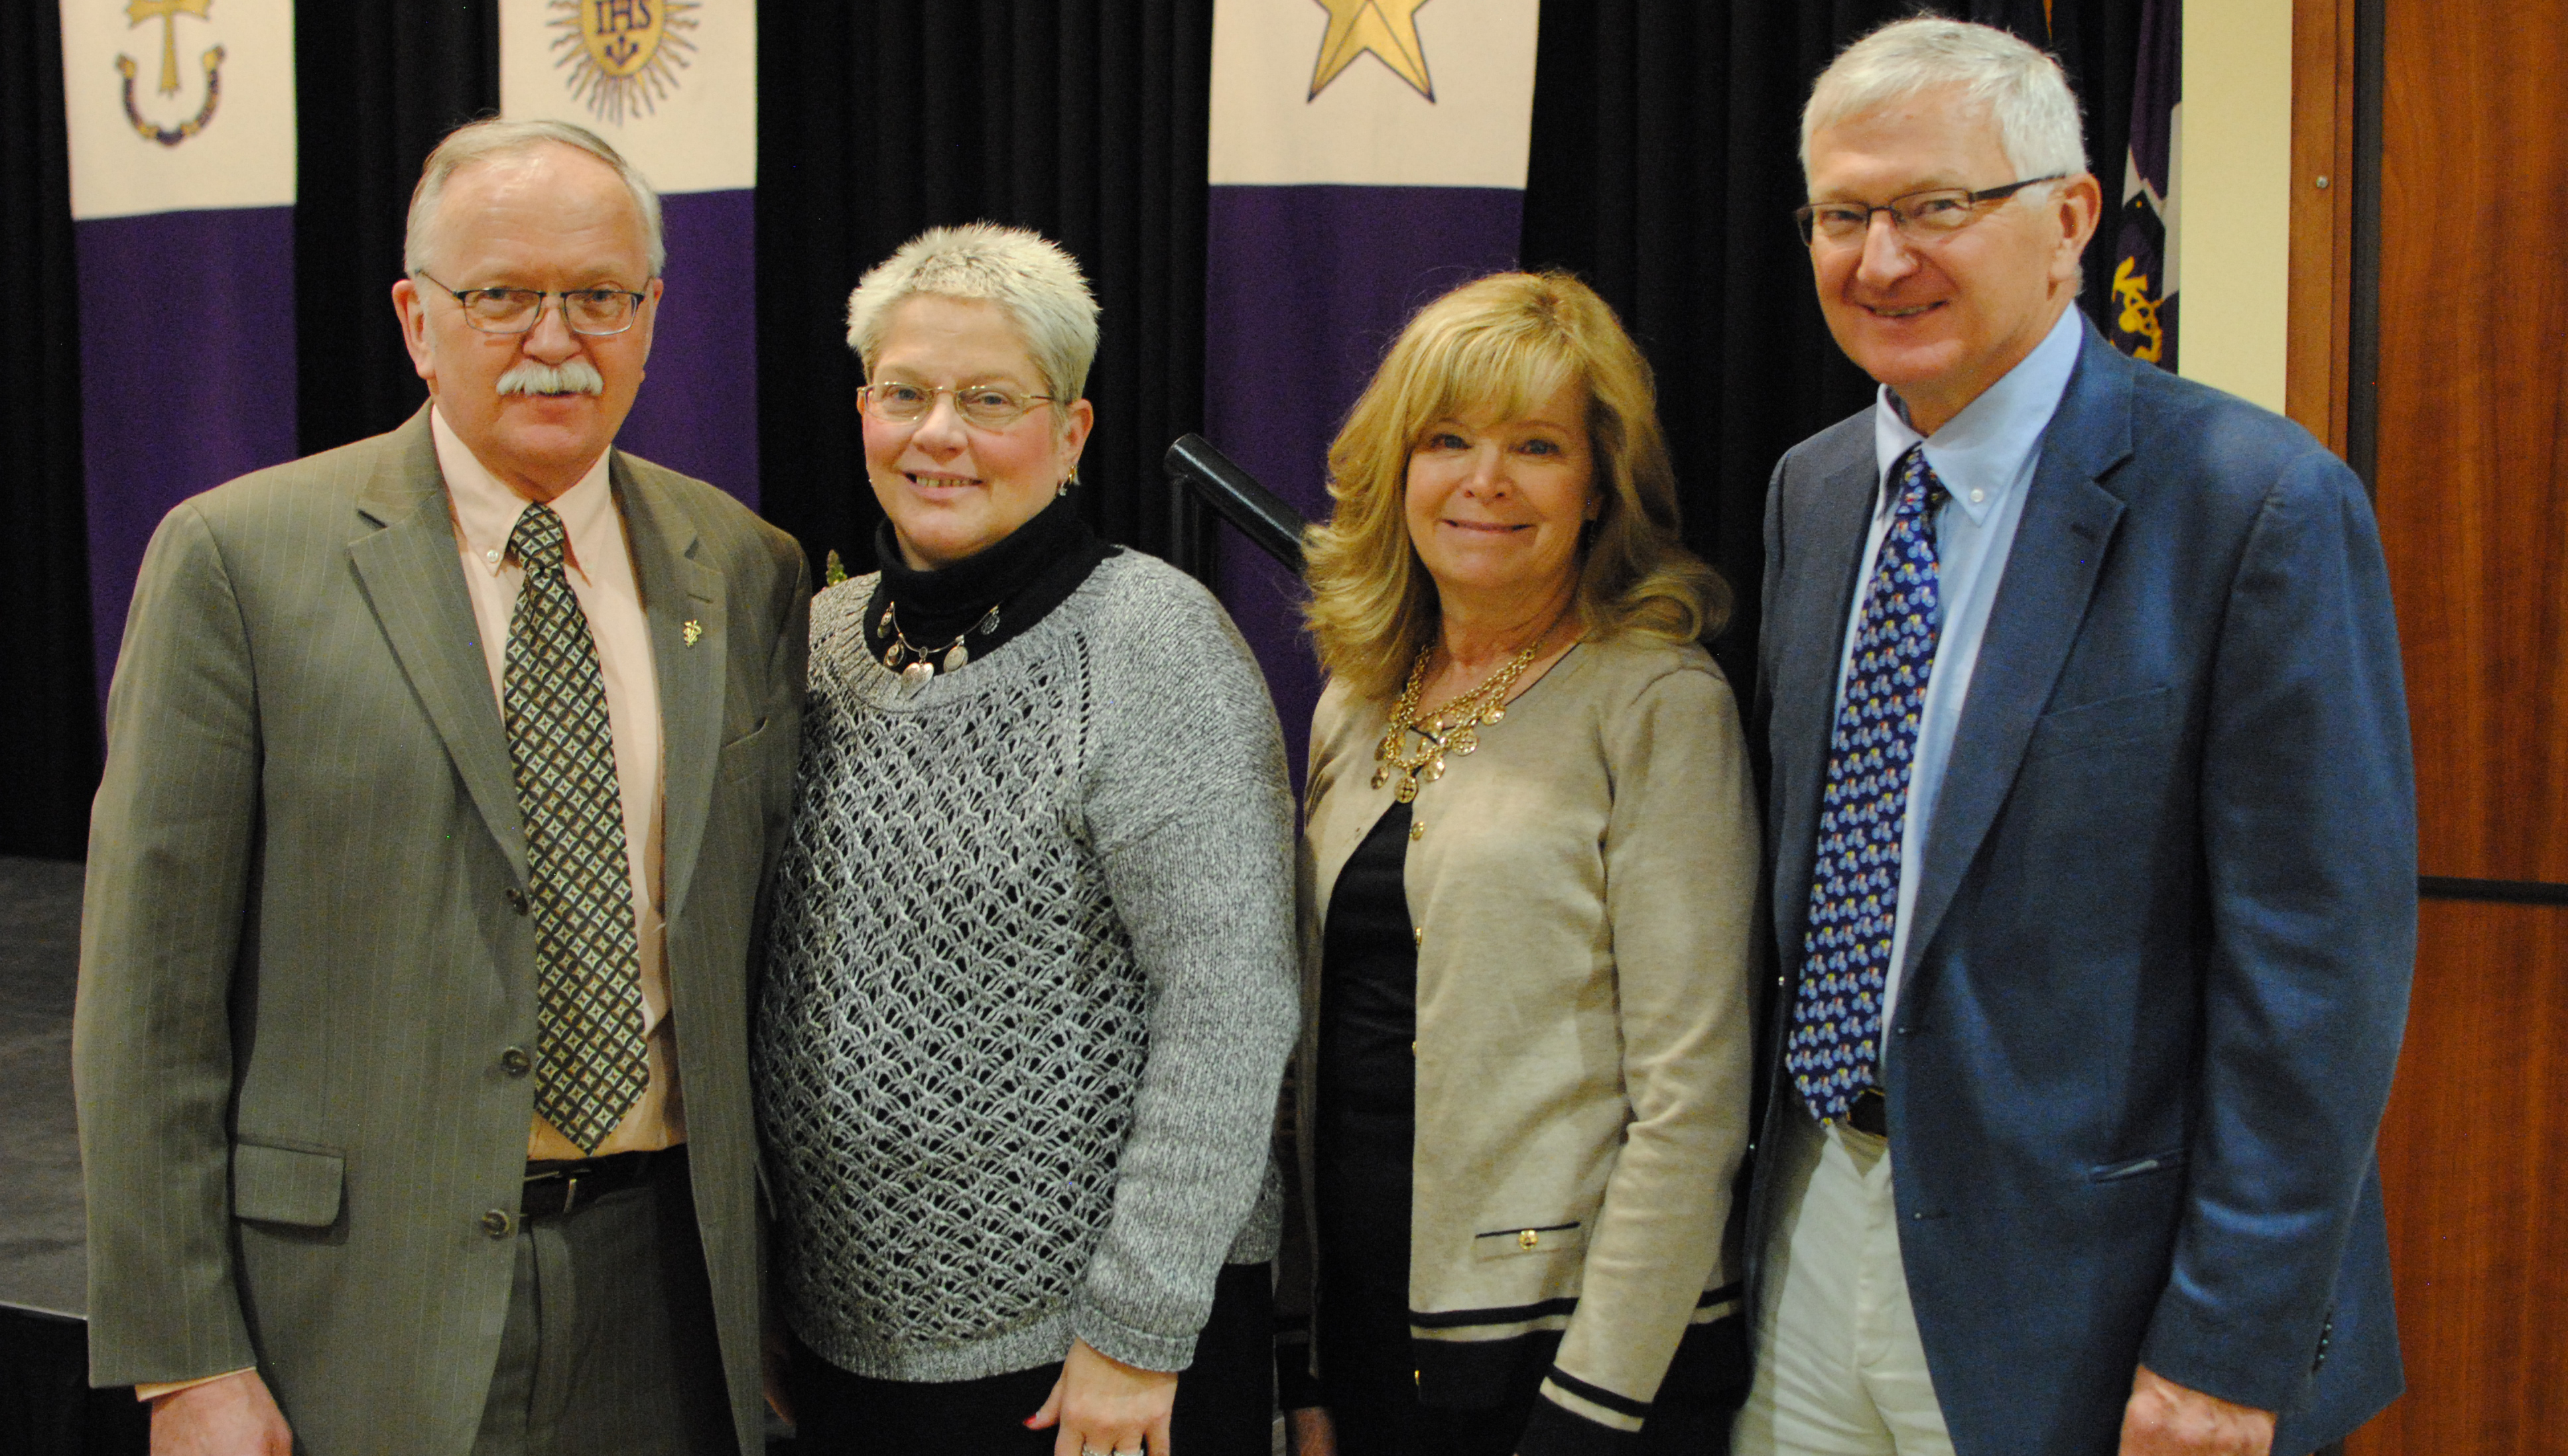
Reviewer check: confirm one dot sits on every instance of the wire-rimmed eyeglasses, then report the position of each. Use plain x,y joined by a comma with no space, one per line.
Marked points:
591,311
1918,217
983,407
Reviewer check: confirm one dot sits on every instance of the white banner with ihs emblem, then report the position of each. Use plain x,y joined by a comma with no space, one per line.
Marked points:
673,86
180,115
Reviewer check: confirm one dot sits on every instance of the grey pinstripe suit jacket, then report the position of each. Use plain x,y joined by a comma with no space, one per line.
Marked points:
300,966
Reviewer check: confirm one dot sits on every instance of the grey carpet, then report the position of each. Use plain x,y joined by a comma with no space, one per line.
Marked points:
43,1265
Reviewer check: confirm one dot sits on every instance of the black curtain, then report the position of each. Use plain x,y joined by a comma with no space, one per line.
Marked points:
1084,120
1665,165
376,86
48,689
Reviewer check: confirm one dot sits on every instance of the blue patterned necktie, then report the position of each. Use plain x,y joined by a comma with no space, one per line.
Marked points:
589,1057
1834,1047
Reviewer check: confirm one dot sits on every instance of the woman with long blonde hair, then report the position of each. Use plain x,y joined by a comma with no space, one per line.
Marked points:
1528,865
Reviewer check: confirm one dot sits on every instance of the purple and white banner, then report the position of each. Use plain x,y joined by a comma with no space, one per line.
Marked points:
180,120
1366,156
2144,250
673,84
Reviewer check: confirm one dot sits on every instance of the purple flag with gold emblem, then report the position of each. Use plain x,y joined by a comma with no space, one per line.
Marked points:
2144,283
180,120
1366,156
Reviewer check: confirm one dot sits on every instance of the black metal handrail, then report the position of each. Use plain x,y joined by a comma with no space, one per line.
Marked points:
1267,519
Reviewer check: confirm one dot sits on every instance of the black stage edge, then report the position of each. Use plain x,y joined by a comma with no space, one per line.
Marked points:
46,1405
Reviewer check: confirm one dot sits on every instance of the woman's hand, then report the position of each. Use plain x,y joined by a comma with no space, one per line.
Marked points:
776,1363
1310,1432
1104,1405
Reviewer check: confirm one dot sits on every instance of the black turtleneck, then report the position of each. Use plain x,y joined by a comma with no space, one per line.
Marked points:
1025,574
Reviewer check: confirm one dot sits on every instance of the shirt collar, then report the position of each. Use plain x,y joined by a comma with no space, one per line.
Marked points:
486,511
1980,453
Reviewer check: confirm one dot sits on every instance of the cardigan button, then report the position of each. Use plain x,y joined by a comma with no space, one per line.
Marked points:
1416,831
1418,935
1528,1239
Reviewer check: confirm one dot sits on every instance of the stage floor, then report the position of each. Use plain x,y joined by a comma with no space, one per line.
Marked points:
43,1250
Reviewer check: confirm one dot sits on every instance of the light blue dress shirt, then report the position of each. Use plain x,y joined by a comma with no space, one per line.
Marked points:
1986,457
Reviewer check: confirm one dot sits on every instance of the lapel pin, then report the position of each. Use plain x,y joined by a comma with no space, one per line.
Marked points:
693,630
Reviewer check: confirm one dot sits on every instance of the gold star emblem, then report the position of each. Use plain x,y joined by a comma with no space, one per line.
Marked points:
1386,28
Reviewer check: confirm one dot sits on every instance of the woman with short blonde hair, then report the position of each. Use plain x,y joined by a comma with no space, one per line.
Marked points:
1527,870
1028,992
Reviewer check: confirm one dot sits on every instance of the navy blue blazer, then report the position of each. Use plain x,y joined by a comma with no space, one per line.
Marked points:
2158,969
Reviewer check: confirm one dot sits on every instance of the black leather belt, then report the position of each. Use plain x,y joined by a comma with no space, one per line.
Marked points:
570,1185
1869,1112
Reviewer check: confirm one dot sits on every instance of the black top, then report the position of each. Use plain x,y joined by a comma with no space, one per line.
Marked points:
1364,1127
1025,574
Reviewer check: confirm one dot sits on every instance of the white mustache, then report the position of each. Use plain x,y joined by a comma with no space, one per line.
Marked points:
572,376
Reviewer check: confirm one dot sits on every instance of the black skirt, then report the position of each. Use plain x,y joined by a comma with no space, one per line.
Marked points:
1225,1403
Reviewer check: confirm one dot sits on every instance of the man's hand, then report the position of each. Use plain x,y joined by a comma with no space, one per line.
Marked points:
232,1416
2167,1419
1310,1432
1101,1405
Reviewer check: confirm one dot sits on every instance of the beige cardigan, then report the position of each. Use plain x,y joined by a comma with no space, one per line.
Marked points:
1583,887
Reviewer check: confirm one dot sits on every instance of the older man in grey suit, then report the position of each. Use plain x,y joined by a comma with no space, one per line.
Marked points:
441,773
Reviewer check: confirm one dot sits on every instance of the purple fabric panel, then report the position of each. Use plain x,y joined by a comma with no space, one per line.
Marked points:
698,409
1305,287
2156,86
187,324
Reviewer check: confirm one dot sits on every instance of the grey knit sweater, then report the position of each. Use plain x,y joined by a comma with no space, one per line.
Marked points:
1029,987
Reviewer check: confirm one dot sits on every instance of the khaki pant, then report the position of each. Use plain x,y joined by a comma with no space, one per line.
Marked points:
1839,1367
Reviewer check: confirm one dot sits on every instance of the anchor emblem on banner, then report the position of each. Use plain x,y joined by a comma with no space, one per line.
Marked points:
167,12
623,54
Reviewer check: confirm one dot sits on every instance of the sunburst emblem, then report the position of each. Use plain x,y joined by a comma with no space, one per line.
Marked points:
623,54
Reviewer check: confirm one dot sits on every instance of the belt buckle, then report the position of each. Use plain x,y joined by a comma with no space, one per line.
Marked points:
1869,1113
569,1179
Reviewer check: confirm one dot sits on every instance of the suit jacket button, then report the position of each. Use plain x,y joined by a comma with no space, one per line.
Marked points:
516,900
516,1063
496,1223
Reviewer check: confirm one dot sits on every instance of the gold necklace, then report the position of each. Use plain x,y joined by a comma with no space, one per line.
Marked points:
1456,727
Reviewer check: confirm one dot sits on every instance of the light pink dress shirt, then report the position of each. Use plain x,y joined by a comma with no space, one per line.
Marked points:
601,577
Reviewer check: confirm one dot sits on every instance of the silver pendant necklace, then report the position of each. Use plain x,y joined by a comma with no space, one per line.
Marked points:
917,667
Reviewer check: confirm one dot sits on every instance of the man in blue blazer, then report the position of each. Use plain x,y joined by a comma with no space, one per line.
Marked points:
2094,839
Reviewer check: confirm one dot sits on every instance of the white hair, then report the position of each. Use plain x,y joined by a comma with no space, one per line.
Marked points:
2017,85
1036,284
491,140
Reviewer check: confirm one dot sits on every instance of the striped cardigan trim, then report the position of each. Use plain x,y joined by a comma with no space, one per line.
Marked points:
1710,1305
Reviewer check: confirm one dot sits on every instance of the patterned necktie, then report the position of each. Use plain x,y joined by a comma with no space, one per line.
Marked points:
589,1017
1854,884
